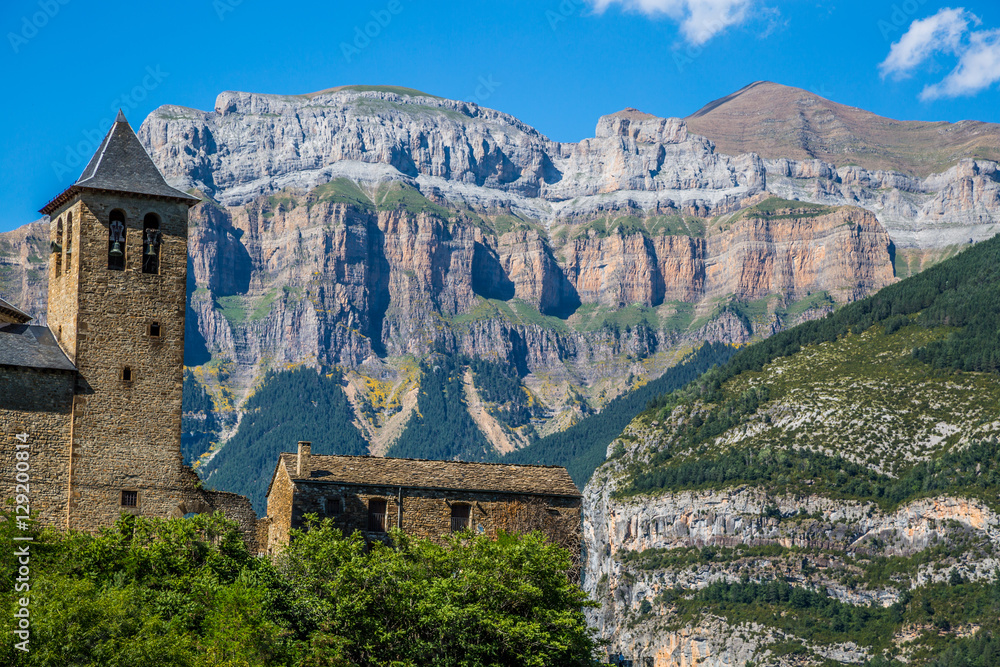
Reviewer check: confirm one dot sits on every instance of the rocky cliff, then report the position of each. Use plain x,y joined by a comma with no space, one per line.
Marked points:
830,495
367,226
23,267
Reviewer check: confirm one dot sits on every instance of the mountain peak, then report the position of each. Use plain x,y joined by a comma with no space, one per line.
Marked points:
777,121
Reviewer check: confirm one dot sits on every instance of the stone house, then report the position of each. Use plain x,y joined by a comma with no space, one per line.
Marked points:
90,405
427,499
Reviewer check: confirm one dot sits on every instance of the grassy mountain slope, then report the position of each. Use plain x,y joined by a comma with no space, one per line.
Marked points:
847,472
778,121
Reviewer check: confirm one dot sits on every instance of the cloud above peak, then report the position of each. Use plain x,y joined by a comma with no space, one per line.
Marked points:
950,32
699,20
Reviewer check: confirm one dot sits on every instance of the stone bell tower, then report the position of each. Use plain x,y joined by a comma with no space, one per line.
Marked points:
117,281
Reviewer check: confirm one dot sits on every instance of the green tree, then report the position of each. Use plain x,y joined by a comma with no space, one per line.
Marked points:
471,601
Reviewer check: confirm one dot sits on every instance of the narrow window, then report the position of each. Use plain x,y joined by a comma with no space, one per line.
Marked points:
460,517
116,241
333,507
127,374
130,498
376,515
154,330
56,246
68,238
151,244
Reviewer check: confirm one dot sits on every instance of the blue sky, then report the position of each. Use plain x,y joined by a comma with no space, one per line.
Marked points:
68,65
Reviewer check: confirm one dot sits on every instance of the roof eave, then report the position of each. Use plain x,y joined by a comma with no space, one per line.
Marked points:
19,315
512,492
60,199
74,189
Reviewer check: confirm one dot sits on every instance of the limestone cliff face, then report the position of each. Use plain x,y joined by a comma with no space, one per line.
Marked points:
956,207
24,268
257,144
341,284
845,251
357,226
818,552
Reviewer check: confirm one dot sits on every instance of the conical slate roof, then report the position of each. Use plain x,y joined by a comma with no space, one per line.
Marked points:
121,164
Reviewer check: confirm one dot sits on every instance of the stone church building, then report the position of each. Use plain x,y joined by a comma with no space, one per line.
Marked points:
427,499
94,398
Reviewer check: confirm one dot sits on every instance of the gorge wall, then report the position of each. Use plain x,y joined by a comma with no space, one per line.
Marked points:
367,227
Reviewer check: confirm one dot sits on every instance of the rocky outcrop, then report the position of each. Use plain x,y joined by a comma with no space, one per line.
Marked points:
821,540
24,256
357,226
957,207
258,144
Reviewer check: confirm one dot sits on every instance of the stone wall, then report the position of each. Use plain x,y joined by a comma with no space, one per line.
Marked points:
279,509
236,508
426,513
126,434
64,273
37,403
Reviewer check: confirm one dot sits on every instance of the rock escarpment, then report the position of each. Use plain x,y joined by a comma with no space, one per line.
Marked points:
359,225
24,268
808,523
289,278
957,207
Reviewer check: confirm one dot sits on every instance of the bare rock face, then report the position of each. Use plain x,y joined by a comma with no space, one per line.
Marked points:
257,144
356,227
819,545
24,267
956,207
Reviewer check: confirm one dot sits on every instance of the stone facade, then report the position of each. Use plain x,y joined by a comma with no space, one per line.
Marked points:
106,438
373,495
37,405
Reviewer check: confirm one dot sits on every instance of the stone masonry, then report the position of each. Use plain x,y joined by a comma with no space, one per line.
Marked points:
105,438
427,499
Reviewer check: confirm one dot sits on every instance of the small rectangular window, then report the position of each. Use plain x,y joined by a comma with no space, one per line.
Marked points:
126,374
460,513
333,506
154,330
376,516
130,498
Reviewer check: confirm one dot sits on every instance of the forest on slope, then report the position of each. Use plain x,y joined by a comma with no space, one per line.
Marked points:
836,485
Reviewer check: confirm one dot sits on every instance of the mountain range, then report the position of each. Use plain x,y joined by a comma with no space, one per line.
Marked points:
395,239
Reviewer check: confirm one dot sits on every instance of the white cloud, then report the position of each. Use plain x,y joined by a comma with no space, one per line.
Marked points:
949,32
978,68
941,33
700,20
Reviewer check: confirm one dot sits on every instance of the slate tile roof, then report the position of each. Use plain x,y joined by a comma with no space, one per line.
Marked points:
423,473
121,164
11,313
29,346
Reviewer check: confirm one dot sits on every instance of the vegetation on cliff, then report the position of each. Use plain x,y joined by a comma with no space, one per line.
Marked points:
274,421
887,379
442,427
833,488
186,592
583,446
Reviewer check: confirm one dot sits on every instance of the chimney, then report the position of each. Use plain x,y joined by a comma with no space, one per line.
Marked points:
303,461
